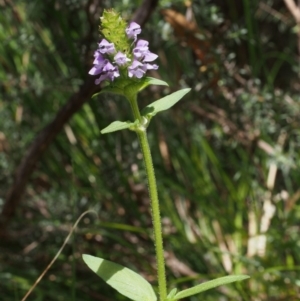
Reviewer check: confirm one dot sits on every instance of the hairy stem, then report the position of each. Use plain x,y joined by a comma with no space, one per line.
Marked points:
141,132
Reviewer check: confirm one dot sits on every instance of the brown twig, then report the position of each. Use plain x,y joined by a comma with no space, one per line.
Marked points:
47,135
294,9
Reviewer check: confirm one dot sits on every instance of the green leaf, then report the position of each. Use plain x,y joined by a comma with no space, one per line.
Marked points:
117,126
164,103
124,280
172,294
136,86
133,87
110,89
208,285
130,86
153,81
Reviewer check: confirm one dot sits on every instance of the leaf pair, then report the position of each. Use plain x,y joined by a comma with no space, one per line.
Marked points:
150,110
136,288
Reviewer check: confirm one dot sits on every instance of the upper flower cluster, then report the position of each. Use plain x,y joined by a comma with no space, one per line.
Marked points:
110,61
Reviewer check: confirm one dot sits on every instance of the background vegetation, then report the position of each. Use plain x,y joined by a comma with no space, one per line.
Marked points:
227,157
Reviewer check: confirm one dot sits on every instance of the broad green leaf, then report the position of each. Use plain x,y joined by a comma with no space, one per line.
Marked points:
164,103
209,285
117,126
124,280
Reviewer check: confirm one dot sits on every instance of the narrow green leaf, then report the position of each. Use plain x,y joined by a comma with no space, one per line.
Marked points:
117,126
124,87
96,94
172,294
151,81
124,280
164,103
209,285
110,89
155,81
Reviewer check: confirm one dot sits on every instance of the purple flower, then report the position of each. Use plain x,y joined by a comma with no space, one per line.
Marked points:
142,56
102,65
133,30
121,59
149,56
136,69
142,43
99,63
106,47
108,72
150,67
141,51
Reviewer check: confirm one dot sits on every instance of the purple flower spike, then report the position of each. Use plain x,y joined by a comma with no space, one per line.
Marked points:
121,59
136,69
133,30
109,59
106,47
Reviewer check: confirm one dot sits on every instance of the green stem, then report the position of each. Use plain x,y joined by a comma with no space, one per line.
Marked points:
161,274
135,108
